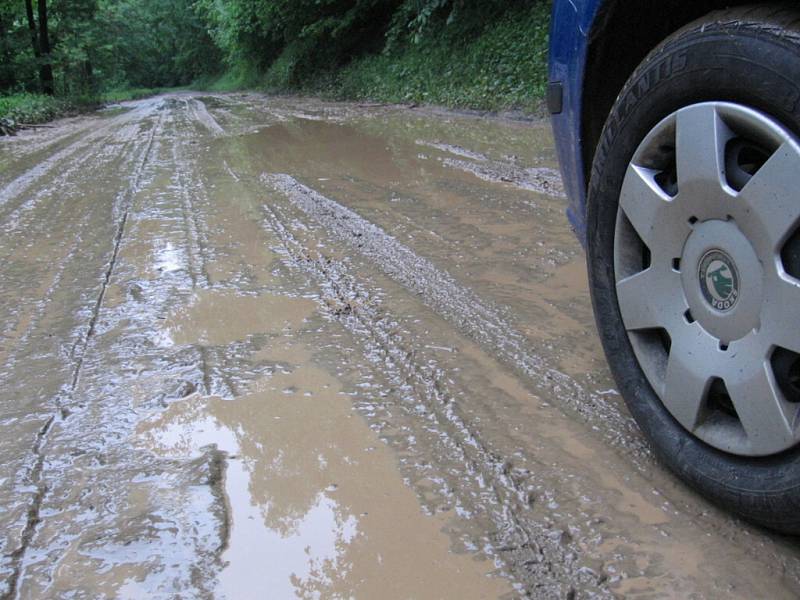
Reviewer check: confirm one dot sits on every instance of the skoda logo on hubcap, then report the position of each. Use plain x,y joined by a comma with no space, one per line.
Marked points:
719,280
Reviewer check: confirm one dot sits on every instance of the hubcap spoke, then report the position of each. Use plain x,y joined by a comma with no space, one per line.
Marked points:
769,199
782,313
766,417
647,207
700,151
650,299
687,380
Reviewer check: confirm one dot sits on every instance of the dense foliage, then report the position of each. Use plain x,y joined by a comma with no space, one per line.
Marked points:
483,53
502,66
97,45
486,53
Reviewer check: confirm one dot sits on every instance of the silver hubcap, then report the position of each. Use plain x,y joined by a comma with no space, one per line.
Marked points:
706,266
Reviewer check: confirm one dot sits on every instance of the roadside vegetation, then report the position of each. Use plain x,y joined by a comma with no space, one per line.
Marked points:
500,67
26,108
59,56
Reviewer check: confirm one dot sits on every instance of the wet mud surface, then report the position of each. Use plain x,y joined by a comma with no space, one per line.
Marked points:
325,350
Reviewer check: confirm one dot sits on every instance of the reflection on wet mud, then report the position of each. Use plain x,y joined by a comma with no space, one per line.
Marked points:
316,506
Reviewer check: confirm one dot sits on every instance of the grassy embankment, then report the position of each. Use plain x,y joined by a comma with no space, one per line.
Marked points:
25,108
18,110
503,67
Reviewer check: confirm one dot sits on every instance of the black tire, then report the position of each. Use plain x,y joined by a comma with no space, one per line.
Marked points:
749,55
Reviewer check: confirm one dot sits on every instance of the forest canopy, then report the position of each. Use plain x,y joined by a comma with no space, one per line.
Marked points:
79,47
384,48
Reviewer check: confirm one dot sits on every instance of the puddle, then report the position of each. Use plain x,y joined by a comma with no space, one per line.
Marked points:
317,508
213,318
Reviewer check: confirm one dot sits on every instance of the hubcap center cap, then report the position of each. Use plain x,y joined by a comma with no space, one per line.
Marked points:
723,288
719,280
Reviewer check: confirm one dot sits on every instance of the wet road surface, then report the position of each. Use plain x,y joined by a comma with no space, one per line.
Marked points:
256,347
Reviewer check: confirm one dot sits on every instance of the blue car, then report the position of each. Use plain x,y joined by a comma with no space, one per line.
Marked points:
677,130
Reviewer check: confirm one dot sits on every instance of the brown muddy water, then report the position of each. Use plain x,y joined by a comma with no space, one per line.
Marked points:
271,348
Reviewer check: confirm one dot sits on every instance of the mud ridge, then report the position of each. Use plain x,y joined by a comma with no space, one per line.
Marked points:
479,320
201,113
541,180
525,545
452,149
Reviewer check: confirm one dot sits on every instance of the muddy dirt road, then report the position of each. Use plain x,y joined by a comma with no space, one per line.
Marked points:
268,348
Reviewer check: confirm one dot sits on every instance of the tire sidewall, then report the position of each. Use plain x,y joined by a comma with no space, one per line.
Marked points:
733,62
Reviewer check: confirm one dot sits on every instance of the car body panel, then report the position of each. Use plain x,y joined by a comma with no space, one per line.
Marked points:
571,23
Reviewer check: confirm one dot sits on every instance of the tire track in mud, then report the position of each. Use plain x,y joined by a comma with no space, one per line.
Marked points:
548,565
62,133
197,244
28,143
481,321
54,215
186,495
24,329
94,141
77,354
32,515
184,116
533,548
13,220
198,520
124,200
196,237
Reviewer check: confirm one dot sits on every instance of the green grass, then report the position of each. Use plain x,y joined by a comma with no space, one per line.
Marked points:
240,77
25,108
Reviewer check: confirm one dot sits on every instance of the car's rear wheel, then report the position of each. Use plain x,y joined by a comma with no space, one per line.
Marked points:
694,256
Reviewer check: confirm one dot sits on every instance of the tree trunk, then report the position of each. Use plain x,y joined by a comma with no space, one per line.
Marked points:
32,29
88,73
7,77
46,69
